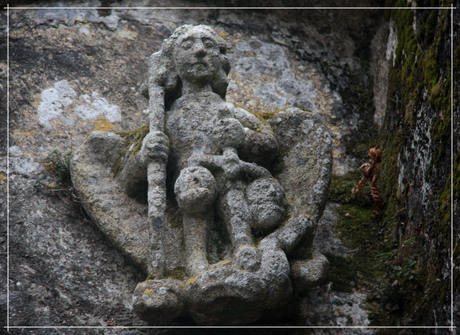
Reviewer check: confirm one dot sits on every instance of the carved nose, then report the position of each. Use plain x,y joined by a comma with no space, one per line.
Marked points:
272,191
199,49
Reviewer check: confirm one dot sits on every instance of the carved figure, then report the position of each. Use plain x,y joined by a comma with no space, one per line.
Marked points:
199,124
235,228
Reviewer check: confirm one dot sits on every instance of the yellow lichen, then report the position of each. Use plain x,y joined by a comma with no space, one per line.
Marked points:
2,178
192,280
225,261
149,292
102,124
20,135
338,311
51,185
79,20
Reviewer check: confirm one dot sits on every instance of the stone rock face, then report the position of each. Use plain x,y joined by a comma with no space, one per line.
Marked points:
63,270
213,188
121,218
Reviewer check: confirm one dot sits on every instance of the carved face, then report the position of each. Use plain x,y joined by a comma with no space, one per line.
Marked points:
267,203
195,189
196,56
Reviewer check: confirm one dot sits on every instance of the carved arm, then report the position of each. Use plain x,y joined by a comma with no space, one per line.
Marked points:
260,145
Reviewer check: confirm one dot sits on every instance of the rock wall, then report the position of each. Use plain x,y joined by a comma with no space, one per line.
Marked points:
76,70
416,139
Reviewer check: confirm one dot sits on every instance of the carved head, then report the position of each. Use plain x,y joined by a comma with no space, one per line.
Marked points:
267,203
195,189
195,53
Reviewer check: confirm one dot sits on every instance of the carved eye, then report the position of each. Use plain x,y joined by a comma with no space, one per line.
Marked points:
187,44
208,43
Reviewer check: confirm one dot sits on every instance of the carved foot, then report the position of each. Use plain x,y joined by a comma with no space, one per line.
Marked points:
158,301
247,258
197,267
309,273
157,264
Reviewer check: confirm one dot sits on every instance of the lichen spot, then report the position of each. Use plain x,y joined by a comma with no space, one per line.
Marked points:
102,124
191,280
149,292
224,262
2,178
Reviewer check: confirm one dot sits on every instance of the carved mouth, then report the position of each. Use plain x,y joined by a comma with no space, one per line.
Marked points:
199,64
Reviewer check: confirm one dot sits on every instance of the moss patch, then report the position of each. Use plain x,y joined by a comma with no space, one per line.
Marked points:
130,137
178,273
444,199
341,186
270,115
415,253
359,232
58,163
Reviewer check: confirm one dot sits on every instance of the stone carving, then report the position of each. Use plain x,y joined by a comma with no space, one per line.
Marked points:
221,239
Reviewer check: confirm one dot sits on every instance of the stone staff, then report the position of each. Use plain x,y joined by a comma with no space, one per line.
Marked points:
155,155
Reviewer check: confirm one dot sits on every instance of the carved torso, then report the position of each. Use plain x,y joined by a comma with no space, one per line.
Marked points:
189,125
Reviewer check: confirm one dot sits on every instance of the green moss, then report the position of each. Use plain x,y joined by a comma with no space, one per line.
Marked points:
341,186
270,115
130,137
412,285
413,269
58,163
359,232
264,116
444,200
178,273
342,273
417,56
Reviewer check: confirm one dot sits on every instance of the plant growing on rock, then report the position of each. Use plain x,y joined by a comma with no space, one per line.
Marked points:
369,171
57,164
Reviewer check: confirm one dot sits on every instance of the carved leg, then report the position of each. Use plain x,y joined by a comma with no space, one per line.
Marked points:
196,192
237,218
195,242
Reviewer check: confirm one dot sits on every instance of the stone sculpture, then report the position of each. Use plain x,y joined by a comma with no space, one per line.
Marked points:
221,239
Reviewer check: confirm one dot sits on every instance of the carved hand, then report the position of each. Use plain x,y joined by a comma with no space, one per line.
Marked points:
228,133
255,170
155,147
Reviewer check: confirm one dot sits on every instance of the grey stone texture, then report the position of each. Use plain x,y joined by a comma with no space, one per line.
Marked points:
213,187
63,270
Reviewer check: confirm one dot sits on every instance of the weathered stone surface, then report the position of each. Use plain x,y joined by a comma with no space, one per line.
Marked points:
310,273
159,300
341,309
121,218
63,270
305,147
104,52
213,186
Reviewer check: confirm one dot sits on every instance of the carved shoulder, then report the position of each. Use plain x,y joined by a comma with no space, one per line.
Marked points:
260,144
